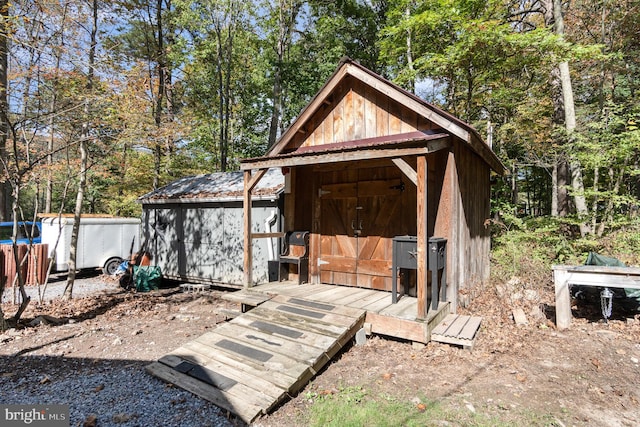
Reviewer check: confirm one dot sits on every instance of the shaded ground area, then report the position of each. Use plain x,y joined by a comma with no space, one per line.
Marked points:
584,376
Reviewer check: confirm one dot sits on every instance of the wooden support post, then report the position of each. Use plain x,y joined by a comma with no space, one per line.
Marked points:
248,252
250,181
563,299
422,229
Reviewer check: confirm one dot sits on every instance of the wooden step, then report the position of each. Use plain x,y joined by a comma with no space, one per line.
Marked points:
457,329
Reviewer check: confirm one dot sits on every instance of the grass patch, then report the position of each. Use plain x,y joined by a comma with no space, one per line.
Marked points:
355,407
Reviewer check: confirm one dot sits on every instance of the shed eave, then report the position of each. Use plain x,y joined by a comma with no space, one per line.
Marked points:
195,200
393,149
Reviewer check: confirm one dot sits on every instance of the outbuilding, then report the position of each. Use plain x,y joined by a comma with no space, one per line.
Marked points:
372,167
193,228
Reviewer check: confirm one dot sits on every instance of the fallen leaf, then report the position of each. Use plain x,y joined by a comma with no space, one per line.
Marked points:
90,421
387,376
521,377
99,388
421,407
596,363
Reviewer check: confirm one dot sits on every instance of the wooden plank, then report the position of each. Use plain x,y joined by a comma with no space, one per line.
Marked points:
349,119
444,325
291,320
370,113
394,327
201,353
375,297
355,295
468,344
248,247
245,410
407,170
399,309
470,329
276,362
380,305
246,297
286,331
273,344
358,112
230,387
330,295
453,328
261,385
330,309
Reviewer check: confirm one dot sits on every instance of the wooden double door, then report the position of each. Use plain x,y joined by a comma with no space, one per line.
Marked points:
358,220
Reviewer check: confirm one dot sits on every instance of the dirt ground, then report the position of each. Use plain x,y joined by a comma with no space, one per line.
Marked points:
587,375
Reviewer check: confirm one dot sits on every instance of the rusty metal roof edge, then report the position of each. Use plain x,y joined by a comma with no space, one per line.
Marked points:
394,140
195,200
214,187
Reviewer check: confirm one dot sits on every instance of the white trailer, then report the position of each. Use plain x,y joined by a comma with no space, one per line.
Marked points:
102,242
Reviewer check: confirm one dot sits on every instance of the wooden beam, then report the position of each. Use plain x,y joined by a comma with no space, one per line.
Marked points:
246,208
276,235
255,179
407,170
422,231
347,156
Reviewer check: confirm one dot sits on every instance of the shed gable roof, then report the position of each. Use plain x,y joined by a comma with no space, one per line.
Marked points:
357,104
214,187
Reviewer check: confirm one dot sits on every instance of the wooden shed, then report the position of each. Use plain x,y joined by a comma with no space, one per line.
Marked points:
371,172
367,162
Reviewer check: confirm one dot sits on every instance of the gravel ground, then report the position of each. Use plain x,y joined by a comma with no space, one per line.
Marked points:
97,365
89,282
114,394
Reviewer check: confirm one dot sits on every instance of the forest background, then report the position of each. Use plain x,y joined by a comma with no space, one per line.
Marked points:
102,101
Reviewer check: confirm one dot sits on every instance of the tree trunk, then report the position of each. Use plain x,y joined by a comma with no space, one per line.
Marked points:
84,159
4,106
577,183
161,65
4,124
287,15
412,81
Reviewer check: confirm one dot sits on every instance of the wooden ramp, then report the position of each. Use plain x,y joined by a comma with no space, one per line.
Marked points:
457,329
250,364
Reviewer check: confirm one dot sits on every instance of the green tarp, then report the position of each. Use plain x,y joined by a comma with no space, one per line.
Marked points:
146,278
597,259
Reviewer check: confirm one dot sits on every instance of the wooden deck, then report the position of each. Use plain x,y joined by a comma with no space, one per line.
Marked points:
384,318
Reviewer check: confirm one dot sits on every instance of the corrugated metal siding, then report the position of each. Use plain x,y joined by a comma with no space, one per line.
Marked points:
204,242
194,226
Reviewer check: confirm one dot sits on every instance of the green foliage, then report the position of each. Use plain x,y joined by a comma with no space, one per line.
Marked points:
530,246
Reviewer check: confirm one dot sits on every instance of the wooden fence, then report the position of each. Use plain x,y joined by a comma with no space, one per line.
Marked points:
34,269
